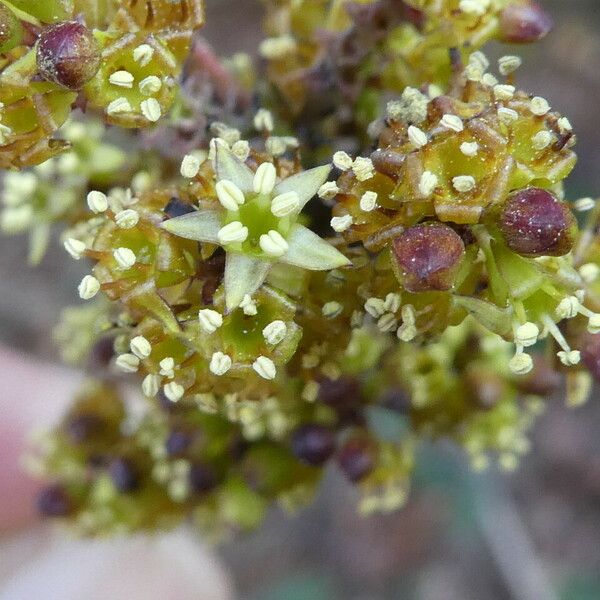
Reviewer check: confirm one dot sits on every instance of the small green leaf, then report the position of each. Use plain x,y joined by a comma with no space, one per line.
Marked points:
243,275
202,226
230,167
309,251
306,184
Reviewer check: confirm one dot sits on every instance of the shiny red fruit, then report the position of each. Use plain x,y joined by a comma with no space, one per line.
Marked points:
535,223
68,54
428,256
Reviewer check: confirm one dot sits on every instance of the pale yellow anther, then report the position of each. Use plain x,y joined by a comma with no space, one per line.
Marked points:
332,309
328,191
74,247
150,85
128,363
368,201
341,224
265,367
97,202
140,346
167,367
173,391
463,183
143,54
151,109
509,64
273,244
363,168
469,148
229,195
150,385
88,287
452,122
427,183
232,233
527,334
219,364
520,363
418,138
125,257
127,219
265,178
342,160
119,106
539,106
275,332
209,320
122,79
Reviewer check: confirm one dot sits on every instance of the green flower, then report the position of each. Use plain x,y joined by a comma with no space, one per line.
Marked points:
258,224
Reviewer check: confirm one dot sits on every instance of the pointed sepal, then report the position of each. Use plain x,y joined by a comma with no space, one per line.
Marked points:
202,226
231,168
309,251
306,184
243,275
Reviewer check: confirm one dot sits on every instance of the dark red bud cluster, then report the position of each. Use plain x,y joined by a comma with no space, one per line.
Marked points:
68,54
428,256
535,223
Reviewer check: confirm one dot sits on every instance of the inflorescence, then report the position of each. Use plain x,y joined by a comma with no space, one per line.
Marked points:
385,237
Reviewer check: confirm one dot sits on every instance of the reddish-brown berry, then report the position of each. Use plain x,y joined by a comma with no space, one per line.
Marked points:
68,54
524,23
428,257
535,223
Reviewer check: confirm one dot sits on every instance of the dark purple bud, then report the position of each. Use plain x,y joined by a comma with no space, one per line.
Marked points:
177,443
202,478
68,54
313,444
535,223
356,458
524,23
53,501
124,475
176,208
81,428
11,32
428,257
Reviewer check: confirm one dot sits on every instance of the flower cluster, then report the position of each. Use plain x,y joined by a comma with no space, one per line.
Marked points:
277,318
121,58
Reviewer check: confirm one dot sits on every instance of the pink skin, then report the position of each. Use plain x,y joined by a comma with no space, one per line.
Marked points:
34,394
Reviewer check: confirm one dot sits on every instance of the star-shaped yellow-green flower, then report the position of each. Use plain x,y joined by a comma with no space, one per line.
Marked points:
258,224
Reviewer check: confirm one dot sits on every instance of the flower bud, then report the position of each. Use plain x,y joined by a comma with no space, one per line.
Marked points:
524,23
356,459
313,444
68,54
428,256
535,223
11,31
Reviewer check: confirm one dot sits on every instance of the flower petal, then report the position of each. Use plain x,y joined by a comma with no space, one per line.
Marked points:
230,167
309,251
306,184
243,275
202,226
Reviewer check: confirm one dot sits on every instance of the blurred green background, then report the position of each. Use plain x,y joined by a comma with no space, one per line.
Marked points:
532,535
